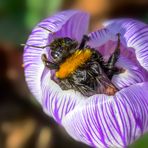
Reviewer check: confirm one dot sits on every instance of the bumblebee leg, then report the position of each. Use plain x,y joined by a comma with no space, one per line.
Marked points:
47,63
111,69
83,42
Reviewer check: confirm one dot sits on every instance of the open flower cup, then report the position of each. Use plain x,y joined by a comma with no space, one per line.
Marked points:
99,120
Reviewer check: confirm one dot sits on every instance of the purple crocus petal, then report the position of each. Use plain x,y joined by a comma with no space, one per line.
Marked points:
109,47
115,121
100,37
105,42
57,102
99,120
75,27
135,35
40,37
132,73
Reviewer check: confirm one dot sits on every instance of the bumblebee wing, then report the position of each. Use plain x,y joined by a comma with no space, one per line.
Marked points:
68,83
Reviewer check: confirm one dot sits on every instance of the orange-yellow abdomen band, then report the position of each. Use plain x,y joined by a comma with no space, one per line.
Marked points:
73,62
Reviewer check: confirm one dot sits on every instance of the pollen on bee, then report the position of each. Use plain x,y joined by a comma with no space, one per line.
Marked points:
78,58
110,90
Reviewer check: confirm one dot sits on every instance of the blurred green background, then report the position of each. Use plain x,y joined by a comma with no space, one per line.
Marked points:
17,18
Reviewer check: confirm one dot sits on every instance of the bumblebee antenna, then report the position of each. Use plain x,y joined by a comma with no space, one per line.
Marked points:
53,33
35,46
45,29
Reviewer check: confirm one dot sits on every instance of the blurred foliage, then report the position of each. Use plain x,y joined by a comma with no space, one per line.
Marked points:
36,9
11,23
141,143
18,17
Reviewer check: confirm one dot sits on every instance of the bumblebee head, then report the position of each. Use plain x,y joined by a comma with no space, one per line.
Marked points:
61,48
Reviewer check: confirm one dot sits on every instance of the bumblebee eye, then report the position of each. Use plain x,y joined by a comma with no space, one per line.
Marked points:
55,55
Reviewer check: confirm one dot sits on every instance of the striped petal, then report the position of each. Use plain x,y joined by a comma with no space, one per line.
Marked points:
134,34
55,101
100,37
105,41
99,120
132,73
64,24
114,121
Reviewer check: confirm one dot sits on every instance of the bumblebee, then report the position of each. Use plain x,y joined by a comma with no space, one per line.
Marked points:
80,67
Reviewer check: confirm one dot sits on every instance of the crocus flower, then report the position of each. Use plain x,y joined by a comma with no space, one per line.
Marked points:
99,120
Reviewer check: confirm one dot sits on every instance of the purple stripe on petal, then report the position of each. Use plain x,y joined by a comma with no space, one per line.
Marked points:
64,23
133,73
56,101
117,121
75,27
99,120
100,37
135,35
